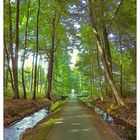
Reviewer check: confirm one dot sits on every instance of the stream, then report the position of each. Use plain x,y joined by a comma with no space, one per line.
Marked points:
126,132
13,132
100,112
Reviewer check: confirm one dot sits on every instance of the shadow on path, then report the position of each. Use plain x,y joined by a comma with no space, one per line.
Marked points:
76,122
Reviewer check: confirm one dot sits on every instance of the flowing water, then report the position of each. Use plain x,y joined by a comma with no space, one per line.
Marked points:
103,114
13,132
127,133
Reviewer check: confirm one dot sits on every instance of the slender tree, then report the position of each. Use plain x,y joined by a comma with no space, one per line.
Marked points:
121,66
32,77
54,46
14,52
9,69
37,47
99,69
51,61
24,54
103,57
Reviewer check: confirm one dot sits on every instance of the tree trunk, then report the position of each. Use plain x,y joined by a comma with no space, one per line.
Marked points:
25,45
106,84
121,63
106,45
40,75
99,70
50,71
51,61
9,69
16,51
14,59
23,81
4,66
37,46
107,50
103,58
32,72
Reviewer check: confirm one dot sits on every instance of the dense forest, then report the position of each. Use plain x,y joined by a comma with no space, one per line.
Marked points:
70,54
41,36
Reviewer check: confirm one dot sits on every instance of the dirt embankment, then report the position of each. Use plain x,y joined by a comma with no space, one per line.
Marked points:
15,109
125,116
125,113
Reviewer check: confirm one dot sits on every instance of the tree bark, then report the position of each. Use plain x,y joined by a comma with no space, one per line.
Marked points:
107,50
16,51
9,69
51,61
50,71
103,58
37,47
25,46
32,72
99,70
40,75
121,63
4,66
14,59
106,84
23,81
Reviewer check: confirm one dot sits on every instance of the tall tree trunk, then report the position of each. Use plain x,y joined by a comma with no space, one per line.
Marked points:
50,71
106,84
106,45
121,64
23,81
32,72
107,50
37,46
14,59
25,46
16,51
103,57
40,75
51,61
99,70
4,67
9,69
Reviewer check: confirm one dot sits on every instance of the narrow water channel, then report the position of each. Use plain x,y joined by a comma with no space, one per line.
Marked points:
100,112
127,133
13,132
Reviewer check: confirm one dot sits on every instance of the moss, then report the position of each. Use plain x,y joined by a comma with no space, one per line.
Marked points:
122,103
41,131
112,107
48,123
55,105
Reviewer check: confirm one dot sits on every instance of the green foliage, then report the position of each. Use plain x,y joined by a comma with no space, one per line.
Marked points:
87,77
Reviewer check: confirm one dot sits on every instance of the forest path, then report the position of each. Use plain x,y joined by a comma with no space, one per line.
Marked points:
77,122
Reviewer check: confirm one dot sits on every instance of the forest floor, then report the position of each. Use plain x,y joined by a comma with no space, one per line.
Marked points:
16,109
126,115
73,122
